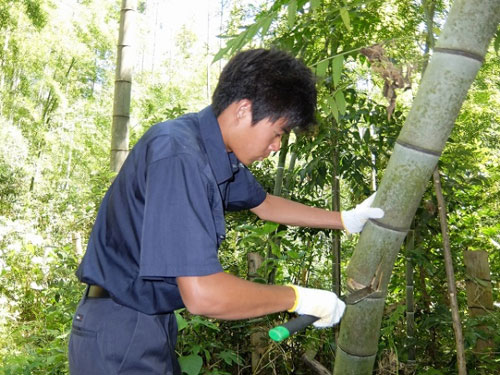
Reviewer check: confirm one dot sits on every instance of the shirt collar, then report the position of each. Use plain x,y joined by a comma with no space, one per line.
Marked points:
218,157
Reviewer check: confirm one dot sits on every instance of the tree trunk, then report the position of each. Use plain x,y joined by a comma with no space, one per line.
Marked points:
450,275
336,235
280,170
258,336
77,243
123,86
289,176
69,160
479,291
336,244
457,57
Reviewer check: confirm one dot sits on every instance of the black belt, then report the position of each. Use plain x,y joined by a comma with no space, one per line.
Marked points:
95,291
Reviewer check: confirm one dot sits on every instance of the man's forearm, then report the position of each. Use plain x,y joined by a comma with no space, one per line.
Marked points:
224,296
285,211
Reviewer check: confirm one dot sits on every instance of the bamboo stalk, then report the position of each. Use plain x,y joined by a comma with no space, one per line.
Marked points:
277,191
123,86
457,57
258,336
336,244
450,276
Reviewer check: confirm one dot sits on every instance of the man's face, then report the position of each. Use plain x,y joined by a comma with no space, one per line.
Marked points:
256,142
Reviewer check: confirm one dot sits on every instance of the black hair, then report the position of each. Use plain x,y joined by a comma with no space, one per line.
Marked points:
277,84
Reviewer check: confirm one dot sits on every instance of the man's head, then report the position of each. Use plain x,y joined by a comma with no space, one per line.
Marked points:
278,86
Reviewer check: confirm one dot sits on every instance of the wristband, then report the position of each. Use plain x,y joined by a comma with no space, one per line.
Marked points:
343,224
296,303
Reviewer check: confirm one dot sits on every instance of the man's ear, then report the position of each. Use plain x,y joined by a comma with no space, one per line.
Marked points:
243,109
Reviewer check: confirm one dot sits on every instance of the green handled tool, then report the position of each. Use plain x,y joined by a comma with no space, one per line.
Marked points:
282,332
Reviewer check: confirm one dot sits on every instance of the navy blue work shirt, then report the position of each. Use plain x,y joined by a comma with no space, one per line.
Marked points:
163,215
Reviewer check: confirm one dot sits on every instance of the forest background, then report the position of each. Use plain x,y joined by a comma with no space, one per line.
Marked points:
57,66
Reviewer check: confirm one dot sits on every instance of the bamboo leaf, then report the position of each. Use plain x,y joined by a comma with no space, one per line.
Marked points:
344,13
275,249
340,100
251,32
222,52
314,4
333,108
321,68
266,23
325,108
238,41
231,46
337,65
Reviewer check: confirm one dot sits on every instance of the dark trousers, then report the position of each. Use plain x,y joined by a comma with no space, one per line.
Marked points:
108,339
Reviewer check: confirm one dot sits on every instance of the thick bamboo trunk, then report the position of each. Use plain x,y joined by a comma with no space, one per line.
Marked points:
457,57
123,86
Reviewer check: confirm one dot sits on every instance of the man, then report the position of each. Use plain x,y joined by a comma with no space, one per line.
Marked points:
153,248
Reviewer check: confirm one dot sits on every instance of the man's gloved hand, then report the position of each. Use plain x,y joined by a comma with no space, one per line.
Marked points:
354,220
321,303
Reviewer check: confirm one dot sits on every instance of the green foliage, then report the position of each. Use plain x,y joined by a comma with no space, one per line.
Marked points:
201,347
33,9
352,118
496,43
43,302
191,364
53,166
13,157
56,77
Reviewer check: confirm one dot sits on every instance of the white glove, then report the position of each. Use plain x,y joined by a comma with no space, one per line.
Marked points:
354,220
321,303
